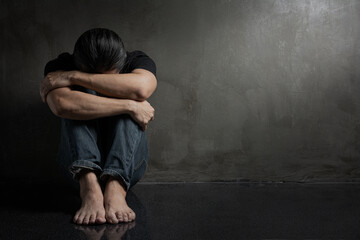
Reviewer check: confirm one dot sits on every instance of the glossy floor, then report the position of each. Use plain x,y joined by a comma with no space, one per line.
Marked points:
191,211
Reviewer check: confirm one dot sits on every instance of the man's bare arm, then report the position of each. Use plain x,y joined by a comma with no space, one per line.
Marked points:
77,105
137,85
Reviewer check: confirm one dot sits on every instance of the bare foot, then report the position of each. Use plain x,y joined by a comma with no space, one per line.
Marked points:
116,208
92,209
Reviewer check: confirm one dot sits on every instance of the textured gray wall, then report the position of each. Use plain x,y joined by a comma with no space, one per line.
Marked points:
258,90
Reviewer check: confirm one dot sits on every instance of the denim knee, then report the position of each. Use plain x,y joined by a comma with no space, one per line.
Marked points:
128,151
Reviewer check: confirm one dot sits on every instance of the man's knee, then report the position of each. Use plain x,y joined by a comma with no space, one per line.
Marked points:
126,123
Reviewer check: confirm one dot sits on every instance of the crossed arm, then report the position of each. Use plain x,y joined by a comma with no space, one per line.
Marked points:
124,94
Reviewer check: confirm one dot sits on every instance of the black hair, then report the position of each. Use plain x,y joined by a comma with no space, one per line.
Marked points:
98,50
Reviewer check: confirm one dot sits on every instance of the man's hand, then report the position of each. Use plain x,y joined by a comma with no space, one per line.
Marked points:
54,80
142,113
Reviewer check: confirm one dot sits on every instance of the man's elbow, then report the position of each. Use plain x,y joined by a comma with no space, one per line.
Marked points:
145,91
143,94
60,111
58,106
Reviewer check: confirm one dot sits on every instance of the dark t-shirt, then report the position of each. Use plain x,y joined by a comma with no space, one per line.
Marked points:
134,59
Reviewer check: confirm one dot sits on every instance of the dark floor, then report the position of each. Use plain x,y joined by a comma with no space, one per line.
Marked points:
191,211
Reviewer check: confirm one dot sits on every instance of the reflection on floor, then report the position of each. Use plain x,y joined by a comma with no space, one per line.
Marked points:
191,211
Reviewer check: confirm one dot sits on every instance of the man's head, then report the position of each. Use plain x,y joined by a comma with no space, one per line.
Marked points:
99,50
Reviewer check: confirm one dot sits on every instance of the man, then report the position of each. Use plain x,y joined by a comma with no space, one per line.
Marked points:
100,93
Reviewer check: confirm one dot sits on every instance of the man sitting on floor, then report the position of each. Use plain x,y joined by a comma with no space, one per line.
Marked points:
100,93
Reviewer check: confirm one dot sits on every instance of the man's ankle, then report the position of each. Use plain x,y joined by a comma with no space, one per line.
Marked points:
86,175
116,182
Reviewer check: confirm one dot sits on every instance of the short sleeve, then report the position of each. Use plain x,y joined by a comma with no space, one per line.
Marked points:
139,59
63,62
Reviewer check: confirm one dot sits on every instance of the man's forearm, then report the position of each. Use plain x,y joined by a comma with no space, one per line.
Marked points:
77,105
138,85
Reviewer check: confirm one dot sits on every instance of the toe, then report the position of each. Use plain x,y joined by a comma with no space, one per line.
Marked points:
100,218
80,218
126,217
132,216
92,218
111,218
86,219
120,216
76,217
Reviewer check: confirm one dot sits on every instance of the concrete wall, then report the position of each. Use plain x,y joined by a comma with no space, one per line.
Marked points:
258,90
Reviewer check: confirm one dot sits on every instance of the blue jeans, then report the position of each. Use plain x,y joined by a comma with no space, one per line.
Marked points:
112,146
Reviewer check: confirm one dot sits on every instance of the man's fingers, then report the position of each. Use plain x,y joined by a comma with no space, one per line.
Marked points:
145,125
43,89
43,93
44,98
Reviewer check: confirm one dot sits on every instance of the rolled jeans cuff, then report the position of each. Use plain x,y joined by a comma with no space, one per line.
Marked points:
78,165
115,174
